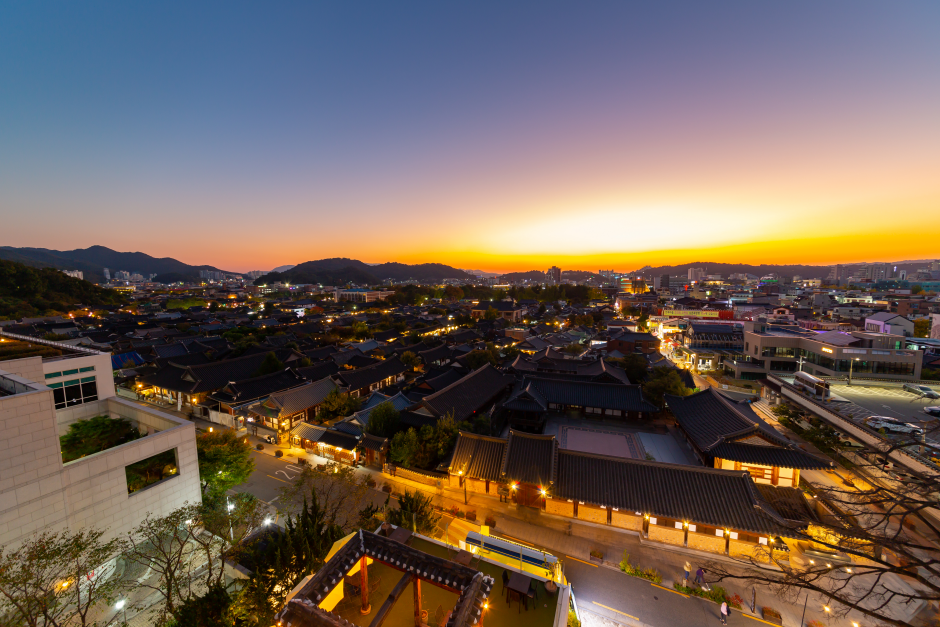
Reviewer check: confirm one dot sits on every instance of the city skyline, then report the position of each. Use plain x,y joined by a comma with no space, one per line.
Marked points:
498,139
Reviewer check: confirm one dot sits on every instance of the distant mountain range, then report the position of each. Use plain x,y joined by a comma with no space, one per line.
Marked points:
803,271
92,262
340,271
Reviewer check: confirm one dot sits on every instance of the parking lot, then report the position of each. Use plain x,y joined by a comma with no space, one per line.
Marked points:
883,401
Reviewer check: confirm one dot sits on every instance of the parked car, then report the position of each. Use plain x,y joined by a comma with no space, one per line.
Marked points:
920,390
270,439
893,426
932,411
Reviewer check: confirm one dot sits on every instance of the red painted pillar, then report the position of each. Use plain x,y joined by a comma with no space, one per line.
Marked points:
417,588
364,587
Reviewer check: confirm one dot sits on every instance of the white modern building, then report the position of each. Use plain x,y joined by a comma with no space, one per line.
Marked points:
46,386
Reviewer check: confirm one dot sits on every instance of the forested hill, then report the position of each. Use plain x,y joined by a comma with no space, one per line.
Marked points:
28,292
339,271
93,260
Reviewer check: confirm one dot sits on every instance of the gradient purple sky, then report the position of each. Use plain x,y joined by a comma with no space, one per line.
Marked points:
493,135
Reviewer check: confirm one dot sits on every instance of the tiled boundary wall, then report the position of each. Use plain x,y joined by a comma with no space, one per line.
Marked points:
699,537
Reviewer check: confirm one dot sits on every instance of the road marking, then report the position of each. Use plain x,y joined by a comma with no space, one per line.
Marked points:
297,468
613,610
760,620
655,585
289,477
276,479
582,561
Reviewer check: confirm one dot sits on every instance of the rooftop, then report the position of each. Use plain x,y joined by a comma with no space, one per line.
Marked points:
21,347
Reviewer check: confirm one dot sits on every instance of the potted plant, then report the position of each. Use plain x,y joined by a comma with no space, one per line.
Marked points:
597,556
387,489
279,453
472,515
771,615
490,521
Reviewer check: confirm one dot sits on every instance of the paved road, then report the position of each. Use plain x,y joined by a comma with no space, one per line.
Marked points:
892,402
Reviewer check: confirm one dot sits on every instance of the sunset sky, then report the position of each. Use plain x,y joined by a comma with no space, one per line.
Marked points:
489,135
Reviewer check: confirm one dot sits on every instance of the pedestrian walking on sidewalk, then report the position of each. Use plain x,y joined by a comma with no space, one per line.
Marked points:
724,613
700,576
687,571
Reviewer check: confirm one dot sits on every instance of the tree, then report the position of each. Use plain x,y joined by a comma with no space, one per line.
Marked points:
491,314
280,559
337,404
383,420
664,380
270,365
87,437
452,292
882,526
415,512
340,493
48,580
405,447
634,365
410,359
207,610
224,461
917,288
573,349
642,323
922,327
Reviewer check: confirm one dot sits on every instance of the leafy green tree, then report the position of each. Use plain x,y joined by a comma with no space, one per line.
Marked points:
361,330
280,559
410,359
383,421
663,381
415,512
491,314
573,349
224,460
922,327
405,447
45,582
207,610
634,365
337,404
642,323
270,365
87,437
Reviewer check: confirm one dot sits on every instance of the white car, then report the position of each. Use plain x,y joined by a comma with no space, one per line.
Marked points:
920,390
932,411
892,425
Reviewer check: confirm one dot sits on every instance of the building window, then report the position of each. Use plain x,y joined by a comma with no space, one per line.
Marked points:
74,392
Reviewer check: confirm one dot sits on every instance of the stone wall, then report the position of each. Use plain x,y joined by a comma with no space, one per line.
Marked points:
626,520
559,507
592,513
667,535
705,542
739,548
476,485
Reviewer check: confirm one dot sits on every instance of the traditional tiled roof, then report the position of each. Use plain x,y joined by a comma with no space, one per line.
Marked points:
478,456
258,387
591,394
717,425
319,370
721,498
441,381
439,353
529,458
364,377
472,587
300,398
373,442
468,395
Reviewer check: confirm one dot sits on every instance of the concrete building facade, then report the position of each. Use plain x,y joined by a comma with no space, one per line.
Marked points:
39,492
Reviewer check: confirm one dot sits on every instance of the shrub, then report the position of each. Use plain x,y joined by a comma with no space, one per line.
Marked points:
734,601
460,514
597,554
279,453
387,489
370,482
769,612
260,447
490,521
302,461
472,515
573,619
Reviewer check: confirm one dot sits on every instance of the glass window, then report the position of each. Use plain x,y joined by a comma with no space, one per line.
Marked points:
75,371
53,375
87,369
74,392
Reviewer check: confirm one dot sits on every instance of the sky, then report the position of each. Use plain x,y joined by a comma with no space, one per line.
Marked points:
491,135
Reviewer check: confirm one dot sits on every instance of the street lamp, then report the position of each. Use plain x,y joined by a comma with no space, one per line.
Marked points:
122,606
851,363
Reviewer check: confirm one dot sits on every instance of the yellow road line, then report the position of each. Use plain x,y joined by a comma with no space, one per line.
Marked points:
761,620
613,610
582,561
276,479
669,590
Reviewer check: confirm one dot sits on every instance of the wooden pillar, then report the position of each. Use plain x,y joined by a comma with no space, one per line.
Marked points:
364,587
417,588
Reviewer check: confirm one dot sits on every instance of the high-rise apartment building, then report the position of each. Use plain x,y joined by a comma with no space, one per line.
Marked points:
553,275
696,274
107,275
